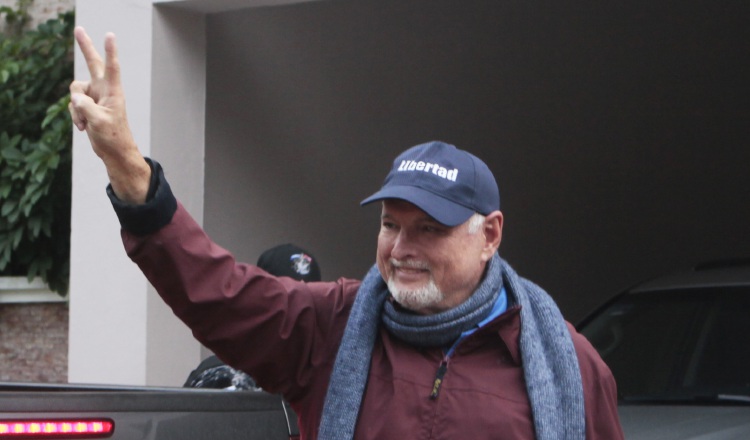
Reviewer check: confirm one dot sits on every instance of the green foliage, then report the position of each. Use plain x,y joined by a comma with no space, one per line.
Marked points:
36,67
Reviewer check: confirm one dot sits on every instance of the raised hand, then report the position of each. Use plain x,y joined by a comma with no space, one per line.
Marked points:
98,107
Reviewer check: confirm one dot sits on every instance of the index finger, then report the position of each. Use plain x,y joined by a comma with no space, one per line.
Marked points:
93,60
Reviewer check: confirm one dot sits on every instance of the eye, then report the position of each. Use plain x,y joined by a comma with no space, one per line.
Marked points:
432,229
387,225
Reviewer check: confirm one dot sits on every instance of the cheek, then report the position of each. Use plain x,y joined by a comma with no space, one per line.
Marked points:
381,245
382,254
385,243
458,264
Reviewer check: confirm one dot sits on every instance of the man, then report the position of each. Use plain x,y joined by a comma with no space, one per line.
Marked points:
284,260
440,340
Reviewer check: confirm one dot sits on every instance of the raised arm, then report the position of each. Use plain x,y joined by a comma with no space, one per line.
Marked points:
98,107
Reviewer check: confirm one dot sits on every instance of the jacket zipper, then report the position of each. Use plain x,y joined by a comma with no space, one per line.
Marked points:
442,369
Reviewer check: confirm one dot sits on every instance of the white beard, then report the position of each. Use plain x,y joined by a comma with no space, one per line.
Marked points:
419,299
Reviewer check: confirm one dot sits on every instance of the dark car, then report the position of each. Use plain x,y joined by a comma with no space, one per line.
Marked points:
679,348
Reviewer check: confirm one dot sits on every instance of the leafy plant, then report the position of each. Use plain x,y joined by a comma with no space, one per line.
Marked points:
36,67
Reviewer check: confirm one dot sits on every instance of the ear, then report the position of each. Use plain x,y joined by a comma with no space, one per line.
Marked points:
493,234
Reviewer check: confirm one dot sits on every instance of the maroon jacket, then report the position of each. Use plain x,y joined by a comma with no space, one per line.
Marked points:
286,334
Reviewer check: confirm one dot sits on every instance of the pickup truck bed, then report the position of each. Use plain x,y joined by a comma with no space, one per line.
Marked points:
152,413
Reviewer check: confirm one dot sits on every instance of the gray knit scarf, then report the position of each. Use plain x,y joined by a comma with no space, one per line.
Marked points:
553,379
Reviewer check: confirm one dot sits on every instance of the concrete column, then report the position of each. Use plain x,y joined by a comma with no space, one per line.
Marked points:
120,332
178,137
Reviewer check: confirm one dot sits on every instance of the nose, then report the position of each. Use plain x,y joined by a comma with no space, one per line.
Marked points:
403,246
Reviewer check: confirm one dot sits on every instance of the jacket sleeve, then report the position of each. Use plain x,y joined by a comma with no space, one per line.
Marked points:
151,216
599,392
283,332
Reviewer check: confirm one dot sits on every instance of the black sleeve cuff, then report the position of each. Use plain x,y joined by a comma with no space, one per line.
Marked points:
153,215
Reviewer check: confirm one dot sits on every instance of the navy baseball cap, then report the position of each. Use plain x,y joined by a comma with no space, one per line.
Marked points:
447,183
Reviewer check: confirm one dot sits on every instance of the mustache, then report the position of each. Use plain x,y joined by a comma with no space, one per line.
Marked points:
409,264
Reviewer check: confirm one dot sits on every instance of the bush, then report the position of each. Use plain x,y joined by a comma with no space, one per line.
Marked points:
36,68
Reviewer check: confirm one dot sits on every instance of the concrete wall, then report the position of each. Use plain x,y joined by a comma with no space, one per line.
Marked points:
617,132
108,295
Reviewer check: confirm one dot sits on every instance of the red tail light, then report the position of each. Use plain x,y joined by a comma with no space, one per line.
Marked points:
56,428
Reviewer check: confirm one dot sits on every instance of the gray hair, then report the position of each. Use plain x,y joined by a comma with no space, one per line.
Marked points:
475,223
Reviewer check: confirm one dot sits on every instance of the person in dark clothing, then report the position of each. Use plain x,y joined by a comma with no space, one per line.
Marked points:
213,373
284,260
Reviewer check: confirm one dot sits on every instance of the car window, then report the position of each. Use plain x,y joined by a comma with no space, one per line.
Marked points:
676,345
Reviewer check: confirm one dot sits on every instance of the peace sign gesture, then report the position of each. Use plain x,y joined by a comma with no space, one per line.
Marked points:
98,107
